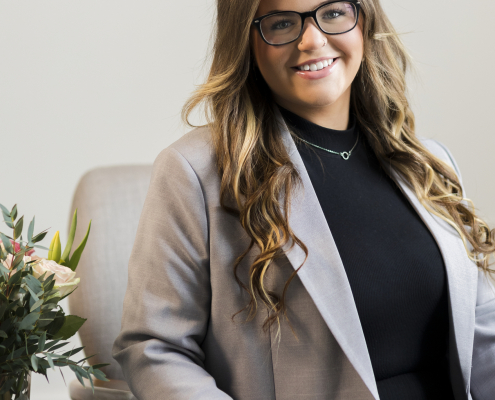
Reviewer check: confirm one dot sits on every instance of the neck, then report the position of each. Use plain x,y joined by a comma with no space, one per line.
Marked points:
332,116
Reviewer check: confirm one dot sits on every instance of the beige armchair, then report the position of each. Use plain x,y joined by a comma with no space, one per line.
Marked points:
112,197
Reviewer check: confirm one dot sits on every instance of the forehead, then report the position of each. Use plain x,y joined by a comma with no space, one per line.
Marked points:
268,6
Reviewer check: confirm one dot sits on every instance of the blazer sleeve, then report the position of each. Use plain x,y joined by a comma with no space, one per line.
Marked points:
483,363
167,301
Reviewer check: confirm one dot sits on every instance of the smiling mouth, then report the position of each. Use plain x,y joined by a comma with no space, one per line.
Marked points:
314,67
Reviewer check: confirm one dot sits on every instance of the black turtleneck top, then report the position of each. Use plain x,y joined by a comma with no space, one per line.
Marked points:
393,263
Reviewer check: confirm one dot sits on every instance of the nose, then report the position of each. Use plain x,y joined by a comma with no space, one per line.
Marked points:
312,37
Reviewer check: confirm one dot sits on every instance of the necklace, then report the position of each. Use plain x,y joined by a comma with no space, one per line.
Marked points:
345,154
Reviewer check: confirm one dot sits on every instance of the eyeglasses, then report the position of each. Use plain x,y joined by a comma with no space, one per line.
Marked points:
333,18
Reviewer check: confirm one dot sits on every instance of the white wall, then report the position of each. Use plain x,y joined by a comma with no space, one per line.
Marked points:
86,84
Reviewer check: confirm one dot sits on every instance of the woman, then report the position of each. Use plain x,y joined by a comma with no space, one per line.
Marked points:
306,243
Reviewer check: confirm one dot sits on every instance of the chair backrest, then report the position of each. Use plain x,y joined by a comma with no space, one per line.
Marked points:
112,197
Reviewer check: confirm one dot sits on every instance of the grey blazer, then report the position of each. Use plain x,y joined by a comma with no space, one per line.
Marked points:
178,340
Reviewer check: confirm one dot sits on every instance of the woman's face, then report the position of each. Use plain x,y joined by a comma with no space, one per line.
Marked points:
294,89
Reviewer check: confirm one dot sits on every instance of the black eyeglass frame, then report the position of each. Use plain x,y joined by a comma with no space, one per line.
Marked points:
257,21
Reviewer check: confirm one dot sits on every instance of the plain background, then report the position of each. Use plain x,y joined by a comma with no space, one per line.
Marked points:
98,83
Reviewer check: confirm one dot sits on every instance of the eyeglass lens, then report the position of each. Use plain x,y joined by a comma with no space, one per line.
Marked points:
285,27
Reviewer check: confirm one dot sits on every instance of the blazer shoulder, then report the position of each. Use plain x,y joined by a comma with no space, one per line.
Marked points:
193,153
195,147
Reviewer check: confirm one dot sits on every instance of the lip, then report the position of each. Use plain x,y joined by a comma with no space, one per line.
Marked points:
316,74
314,61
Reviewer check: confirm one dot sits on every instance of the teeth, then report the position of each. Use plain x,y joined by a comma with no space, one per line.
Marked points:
316,67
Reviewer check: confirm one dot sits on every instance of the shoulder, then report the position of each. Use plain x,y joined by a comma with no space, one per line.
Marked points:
194,148
189,161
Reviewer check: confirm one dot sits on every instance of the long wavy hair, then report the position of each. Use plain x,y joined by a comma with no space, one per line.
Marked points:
257,173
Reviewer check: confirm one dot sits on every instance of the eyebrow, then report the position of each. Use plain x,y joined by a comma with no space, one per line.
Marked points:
323,2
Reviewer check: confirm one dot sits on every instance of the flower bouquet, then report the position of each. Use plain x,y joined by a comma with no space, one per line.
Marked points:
32,323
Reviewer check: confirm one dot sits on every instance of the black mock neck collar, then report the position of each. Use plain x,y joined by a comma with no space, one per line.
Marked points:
332,139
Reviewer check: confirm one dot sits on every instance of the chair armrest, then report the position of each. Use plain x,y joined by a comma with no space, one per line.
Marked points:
112,390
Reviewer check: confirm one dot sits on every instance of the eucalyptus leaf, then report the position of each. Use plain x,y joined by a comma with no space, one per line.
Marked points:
4,210
71,325
36,305
7,221
30,230
39,237
29,320
41,343
50,361
6,243
13,212
40,247
34,362
18,227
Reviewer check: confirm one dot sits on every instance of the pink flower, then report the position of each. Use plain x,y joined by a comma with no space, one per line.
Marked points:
17,248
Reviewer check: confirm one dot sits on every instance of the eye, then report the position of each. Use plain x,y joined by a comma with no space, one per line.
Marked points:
281,24
333,14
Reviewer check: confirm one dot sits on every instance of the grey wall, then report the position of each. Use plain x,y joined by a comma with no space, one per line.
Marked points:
86,84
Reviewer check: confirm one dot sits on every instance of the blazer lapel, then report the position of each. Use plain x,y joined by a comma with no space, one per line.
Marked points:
462,278
324,277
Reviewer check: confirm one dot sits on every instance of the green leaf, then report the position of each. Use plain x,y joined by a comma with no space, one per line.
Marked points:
71,325
50,361
30,230
33,295
18,228
34,362
39,237
17,261
29,320
36,305
92,384
7,221
51,344
33,283
4,209
70,353
98,366
41,343
76,256
16,278
58,346
78,375
4,270
40,247
100,375
3,335
13,213
6,243
70,240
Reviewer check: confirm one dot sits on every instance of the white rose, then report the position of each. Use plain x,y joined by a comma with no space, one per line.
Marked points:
65,278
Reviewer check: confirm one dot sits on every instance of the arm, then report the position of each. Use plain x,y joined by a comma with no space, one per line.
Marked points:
167,302
483,363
